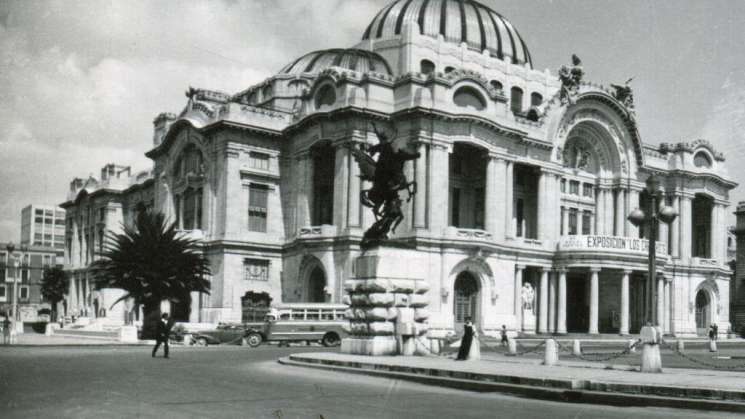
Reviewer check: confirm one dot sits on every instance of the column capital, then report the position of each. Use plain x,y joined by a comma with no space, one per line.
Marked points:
546,269
519,267
595,269
628,271
561,269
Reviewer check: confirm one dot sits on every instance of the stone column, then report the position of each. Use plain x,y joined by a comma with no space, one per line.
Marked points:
620,216
543,305
561,313
593,220
625,302
580,223
666,313
594,303
420,175
541,211
685,227
509,228
341,177
608,212
713,237
303,192
633,202
552,302
355,183
675,229
438,208
495,190
518,295
599,211
660,303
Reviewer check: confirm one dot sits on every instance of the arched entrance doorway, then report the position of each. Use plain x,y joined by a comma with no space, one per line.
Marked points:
317,286
703,316
465,303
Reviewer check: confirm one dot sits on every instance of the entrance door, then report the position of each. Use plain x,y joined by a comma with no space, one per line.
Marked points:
465,302
316,285
577,307
702,313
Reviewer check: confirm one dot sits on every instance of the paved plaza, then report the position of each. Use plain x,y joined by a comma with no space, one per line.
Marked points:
233,381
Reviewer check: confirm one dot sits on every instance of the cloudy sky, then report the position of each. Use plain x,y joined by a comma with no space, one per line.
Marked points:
80,81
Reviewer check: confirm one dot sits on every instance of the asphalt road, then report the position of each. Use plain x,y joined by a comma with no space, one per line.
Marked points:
232,381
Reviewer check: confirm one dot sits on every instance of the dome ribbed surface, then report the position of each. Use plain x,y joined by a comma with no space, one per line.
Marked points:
352,59
457,21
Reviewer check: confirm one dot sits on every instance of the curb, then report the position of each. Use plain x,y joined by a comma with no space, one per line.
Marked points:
562,390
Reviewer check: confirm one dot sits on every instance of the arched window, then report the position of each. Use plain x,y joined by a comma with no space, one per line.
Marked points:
468,97
325,96
190,162
533,115
701,159
426,67
266,92
496,85
701,226
448,69
516,100
536,99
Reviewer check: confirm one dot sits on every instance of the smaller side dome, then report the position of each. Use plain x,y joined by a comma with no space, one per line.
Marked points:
352,59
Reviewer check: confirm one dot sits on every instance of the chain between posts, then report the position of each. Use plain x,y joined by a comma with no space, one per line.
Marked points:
606,357
675,350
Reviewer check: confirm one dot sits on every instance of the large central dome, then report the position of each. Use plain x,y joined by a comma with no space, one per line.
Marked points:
457,21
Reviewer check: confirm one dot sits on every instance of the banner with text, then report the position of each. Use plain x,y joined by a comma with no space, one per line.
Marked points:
612,244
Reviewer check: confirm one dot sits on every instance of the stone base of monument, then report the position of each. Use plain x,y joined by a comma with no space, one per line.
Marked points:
387,302
528,322
128,334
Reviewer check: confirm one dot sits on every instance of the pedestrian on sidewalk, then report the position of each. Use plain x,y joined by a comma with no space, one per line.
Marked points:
503,334
6,330
161,335
466,342
713,338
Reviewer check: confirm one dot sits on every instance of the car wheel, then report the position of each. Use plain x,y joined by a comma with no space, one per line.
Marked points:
331,339
201,342
253,340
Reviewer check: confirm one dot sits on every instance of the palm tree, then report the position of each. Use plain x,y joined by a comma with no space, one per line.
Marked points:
152,262
54,286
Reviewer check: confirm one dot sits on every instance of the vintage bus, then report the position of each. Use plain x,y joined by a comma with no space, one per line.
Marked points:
297,322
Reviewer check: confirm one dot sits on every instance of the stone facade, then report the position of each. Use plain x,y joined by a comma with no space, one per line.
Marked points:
520,215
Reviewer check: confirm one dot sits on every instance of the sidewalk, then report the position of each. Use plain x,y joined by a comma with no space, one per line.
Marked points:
36,339
570,380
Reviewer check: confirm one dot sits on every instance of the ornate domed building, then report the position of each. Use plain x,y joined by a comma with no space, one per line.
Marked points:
524,184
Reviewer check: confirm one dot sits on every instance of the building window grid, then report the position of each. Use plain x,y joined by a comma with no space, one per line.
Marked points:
258,160
23,292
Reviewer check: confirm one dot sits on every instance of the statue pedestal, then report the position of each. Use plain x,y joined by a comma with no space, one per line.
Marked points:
387,299
528,321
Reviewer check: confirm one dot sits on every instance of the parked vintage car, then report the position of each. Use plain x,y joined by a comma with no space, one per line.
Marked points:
298,322
224,333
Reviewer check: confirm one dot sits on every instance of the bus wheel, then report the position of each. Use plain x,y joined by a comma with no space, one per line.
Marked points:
331,339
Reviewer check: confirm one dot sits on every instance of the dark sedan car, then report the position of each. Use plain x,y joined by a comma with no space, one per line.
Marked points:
225,333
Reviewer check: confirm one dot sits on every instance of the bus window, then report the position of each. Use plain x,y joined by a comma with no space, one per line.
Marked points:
285,316
312,314
327,314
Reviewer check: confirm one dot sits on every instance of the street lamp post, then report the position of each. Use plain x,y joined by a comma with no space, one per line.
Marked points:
639,218
10,247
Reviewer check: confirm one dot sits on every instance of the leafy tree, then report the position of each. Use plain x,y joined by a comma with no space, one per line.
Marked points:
152,262
54,286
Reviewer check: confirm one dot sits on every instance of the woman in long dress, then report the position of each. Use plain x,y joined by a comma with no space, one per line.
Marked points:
466,343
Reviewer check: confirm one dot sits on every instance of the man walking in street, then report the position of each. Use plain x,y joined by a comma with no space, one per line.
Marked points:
6,330
161,335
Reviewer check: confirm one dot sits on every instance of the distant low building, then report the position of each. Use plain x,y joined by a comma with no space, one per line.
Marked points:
20,276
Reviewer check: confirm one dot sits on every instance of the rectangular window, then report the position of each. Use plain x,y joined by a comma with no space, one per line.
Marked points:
257,207
587,190
3,293
177,208
574,187
563,186
455,220
586,224
101,214
520,215
256,269
23,292
38,220
572,222
480,208
39,212
258,160
101,240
